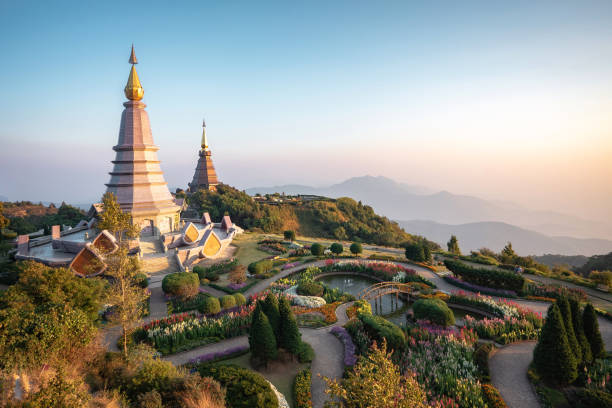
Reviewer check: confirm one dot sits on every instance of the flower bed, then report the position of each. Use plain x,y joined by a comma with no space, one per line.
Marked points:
301,389
540,298
490,278
381,270
501,307
228,289
503,330
349,347
477,288
555,291
443,364
186,331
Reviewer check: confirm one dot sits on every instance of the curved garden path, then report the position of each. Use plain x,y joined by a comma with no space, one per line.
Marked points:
508,367
328,360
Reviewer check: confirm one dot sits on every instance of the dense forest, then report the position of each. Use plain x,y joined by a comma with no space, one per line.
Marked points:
25,217
344,218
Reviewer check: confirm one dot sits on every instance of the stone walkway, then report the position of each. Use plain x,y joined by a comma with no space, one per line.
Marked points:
508,367
328,360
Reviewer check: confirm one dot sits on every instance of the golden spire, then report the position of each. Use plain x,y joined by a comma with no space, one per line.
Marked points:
133,90
204,143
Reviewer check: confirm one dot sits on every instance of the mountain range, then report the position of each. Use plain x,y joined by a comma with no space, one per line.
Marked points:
422,210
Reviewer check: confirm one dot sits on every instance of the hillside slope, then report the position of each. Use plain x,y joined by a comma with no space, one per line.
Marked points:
495,235
343,219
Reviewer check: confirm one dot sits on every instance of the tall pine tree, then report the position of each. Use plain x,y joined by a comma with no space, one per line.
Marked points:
290,337
585,347
262,341
453,245
591,331
552,357
566,313
270,308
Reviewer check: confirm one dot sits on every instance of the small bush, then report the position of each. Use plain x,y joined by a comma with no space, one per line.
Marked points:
289,235
356,248
240,299
588,398
434,310
244,388
260,267
228,301
210,305
481,358
336,248
317,249
379,328
301,389
182,284
492,397
141,280
305,353
310,289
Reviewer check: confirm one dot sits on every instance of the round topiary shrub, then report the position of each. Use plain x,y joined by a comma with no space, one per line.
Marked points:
310,289
336,248
182,284
240,299
259,267
210,305
434,310
228,301
317,249
141,280
356,248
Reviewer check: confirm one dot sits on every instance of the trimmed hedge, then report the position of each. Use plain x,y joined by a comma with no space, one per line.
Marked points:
259,267
210,305
481,358
240,299
305,353
181,284
141,280
227,301
487,277
245,388
301,389
434,310
379,328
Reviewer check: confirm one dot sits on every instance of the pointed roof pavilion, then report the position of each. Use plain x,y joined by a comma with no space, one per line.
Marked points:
137,179
205,176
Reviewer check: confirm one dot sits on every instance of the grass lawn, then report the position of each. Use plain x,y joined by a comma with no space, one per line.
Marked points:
281,374
247,248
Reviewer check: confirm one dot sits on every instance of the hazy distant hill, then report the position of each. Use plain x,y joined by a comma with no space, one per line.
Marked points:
571,260
406,202
495,235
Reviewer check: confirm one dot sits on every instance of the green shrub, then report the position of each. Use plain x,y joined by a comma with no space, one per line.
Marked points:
228,301
486,277
289,235
262,341
591,330
566,314
240,299
141,280
379,328
158,375
356,248
481,358
301,389
415,252
259,267
310,289
183,284
210,305
244,388
317,249
336,248
305,353
434,310
193,303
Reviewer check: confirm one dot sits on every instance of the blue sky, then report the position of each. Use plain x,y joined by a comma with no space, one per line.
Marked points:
510,100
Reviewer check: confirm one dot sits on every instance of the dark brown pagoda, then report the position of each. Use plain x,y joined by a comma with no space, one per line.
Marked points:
205,177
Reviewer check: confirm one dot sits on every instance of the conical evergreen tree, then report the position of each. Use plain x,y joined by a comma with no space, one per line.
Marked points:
262,341
270,308
566,313
592,333
585,347
553,359
290,336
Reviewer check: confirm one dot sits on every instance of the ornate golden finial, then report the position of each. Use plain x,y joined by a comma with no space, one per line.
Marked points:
204,143
133,90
